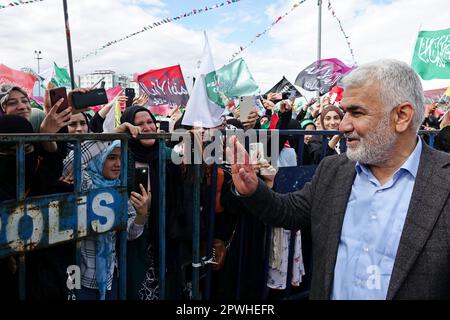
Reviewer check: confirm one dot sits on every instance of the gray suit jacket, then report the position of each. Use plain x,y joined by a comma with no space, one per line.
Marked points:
422,265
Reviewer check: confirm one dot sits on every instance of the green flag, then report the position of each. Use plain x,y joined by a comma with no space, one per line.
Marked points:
431,58
61,77
232,80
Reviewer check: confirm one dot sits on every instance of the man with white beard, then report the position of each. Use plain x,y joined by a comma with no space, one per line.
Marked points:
379,215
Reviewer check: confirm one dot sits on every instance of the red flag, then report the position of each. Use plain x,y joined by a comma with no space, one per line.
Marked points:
273,121
339,93
17,78
164,86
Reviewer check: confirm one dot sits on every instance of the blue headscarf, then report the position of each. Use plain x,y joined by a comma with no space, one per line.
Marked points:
104,242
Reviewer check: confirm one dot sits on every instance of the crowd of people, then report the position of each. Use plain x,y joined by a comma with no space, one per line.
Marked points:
250,258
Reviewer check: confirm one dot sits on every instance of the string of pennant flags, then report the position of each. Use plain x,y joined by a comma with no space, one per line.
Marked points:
158,24
330,8
195,12
17,3
242,48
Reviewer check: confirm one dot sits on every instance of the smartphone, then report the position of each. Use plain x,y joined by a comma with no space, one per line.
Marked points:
257,101
56,94
166,124
245,106
129,92
140,177
94,97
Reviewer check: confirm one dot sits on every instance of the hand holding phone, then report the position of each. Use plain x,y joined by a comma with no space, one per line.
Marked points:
57,94
140,177
139,197
83,98
130,93
245,106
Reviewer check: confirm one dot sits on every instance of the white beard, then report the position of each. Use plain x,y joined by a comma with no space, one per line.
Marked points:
376,147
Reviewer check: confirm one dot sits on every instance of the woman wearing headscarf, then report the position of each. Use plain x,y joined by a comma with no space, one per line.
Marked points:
98,253
15,124
330,118
45,269
15,101
78,123
143,153
142,271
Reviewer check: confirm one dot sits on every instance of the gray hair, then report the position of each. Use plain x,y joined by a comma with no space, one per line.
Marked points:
397,81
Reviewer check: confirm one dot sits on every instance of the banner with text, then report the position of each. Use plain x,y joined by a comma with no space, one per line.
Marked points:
431,58
165,88
322,75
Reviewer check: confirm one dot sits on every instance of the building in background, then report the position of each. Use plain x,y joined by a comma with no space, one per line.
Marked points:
110,77
135,85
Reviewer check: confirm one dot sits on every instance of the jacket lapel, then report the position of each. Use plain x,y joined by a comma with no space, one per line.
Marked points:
427,200
341,189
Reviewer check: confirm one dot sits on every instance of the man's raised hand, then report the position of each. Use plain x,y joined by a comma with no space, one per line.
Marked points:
244,177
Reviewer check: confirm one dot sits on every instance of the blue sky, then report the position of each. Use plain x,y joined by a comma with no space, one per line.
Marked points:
240,22
376,29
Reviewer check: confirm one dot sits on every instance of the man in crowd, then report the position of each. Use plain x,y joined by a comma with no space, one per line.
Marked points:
379,215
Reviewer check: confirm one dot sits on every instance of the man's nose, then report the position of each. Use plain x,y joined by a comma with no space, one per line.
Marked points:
346,124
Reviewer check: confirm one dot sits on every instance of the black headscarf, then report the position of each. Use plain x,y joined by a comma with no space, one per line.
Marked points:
14,124
141,153
87,117
138,262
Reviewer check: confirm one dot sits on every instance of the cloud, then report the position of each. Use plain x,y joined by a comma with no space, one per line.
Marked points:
157,3
376,30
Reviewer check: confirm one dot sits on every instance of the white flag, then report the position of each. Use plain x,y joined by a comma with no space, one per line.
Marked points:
200,111
111,118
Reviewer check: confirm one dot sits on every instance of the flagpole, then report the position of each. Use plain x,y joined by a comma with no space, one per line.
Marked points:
319,40
69,45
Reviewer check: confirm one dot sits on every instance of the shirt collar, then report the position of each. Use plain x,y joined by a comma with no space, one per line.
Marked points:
411,164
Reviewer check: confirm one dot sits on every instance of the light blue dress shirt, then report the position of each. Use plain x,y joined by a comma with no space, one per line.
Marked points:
371,231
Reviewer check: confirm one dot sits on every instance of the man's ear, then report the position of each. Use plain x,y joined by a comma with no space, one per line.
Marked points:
403,116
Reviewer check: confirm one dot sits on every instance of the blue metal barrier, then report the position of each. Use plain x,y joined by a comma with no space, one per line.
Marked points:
70,206
58,218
